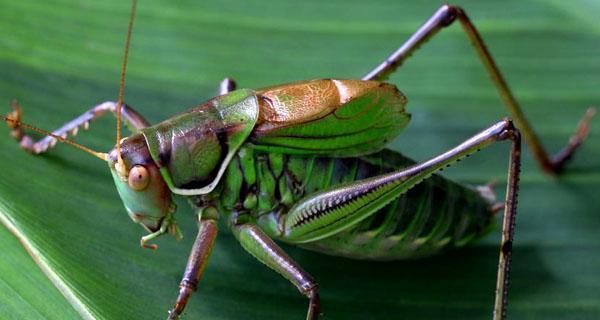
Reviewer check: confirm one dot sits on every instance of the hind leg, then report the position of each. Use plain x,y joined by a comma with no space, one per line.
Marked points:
335,209
445,16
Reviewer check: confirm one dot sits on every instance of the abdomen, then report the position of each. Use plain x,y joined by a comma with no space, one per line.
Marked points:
435,215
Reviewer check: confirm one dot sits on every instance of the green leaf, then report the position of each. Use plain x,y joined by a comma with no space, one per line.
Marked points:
60,58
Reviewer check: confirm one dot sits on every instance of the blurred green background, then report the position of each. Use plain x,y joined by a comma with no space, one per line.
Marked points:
60,58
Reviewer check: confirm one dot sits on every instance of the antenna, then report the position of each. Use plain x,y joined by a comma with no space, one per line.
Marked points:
17,123
120,166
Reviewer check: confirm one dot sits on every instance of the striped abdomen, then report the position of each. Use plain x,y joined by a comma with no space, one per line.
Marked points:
434,215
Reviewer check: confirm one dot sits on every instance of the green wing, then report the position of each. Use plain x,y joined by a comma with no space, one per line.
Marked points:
362,125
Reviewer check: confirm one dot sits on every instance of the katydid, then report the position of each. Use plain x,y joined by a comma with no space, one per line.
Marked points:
304,163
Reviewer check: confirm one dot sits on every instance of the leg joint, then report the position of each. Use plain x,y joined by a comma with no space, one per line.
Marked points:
307,286
189,284
507,247
450,13
510,132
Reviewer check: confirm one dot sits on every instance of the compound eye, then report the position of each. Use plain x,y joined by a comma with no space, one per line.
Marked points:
139,179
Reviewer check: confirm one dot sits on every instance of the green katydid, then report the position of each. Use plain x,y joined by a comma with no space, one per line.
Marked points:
301,163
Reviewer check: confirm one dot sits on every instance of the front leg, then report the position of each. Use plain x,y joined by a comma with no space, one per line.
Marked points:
258,244
133,120
207,232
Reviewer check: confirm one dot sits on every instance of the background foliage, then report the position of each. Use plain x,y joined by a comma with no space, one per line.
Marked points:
59,58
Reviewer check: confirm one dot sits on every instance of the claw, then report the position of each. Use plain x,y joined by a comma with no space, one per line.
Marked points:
486,191
26,143
560,159
583,128
144,245
13,118
173,315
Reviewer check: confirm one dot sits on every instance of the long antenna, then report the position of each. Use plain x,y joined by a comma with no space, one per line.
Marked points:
120,166
18,123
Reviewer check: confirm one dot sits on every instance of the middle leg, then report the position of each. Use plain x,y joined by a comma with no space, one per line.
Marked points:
258,244
207,232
